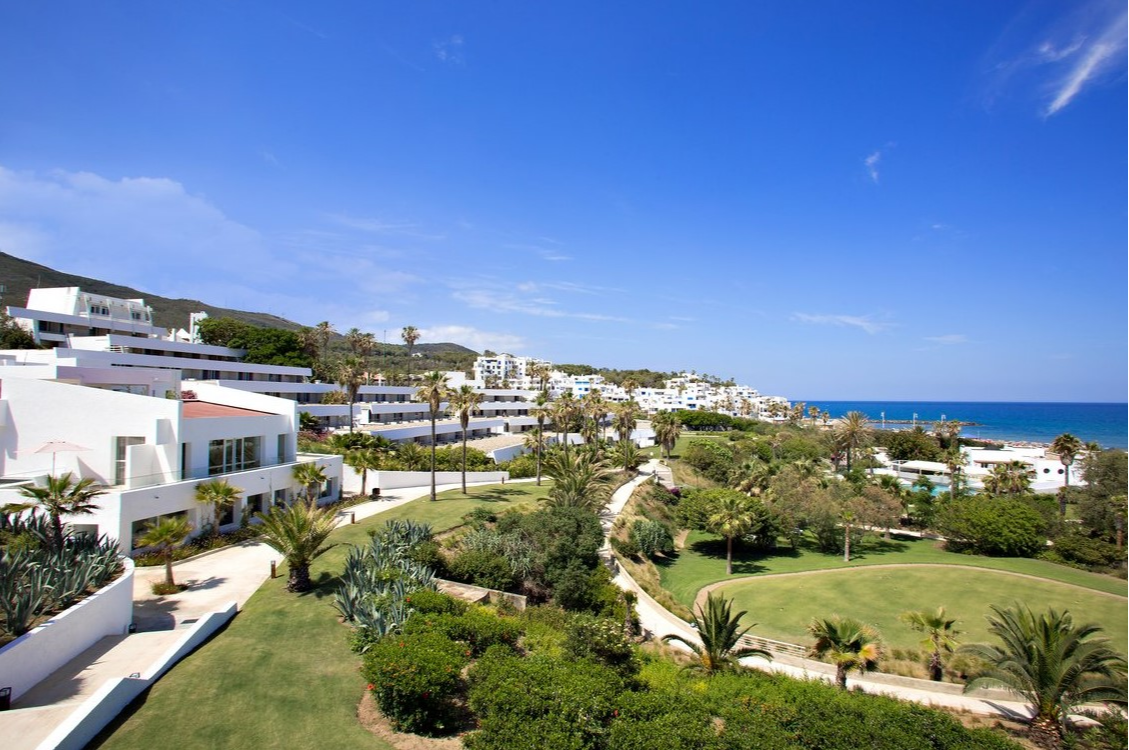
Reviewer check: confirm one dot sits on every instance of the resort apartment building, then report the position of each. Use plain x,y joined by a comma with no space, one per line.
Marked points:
508,371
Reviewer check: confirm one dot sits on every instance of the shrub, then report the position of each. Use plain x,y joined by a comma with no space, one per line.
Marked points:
433,602
681,721
540,702
520,467
713,459
482,568
601,640
413,678
480,517
1082,551
478,628
651,537
992,526
626,547
163,588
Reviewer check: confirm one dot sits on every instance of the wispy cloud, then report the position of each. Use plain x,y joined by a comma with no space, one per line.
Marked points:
1061,58
948,339
377,225
501,301
473,338
863,322
449,50
871,163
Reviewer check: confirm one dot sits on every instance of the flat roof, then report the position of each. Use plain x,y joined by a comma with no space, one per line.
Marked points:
204,410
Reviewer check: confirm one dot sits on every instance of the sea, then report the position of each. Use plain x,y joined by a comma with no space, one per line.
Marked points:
1035,422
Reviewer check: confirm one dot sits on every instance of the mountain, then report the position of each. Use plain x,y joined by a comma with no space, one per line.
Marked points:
18,276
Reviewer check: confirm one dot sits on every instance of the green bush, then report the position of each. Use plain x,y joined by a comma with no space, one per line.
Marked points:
992,526
1082,551
520,467
478,628
432,602
601,640
681,721
482,568
713,459
413,678
540,702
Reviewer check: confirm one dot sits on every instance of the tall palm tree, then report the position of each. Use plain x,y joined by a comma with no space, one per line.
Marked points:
350,375
719,635
630,385
593,407
410,335
364,460
625,418
852,433
849,643
165,535
732,517
541,412
432,391
298,532
667,427
1067,447
63,495
311,477
954,460
627,455
323,332
1008,479
580,480
564,411
464,402
219,494
1053,663
940,635
411,457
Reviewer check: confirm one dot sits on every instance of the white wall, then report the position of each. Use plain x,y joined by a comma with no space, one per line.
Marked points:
393,480
36,654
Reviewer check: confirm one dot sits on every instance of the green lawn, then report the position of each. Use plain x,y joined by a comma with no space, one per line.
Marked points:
782,607
282,674
703,562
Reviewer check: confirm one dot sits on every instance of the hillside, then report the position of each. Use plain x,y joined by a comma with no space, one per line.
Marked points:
19,276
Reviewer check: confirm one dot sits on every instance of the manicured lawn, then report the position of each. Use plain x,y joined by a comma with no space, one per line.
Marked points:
782,607
703,562
281,674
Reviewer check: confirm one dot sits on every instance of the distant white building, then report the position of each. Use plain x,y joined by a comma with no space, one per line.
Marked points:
508,371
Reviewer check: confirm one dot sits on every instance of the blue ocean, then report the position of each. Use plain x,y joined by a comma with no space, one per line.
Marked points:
1105,424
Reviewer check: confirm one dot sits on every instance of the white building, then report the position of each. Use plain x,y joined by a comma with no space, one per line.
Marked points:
508,371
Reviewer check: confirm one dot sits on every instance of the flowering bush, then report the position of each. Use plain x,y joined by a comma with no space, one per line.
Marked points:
413,677
477,628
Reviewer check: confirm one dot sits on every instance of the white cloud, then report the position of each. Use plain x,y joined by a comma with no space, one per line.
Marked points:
449,50
871,163
382,226
472,338
505,302
948,339
864,322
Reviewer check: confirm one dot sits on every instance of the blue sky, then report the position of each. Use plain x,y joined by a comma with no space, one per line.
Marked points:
880,200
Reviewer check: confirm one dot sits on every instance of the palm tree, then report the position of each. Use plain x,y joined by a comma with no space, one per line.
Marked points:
625,417
667,427
630,385
626,454
564,411
432,392
849,643
719,635
364,460
63,495
1053,663
853,432
732,517
1067,447
1008,479
410,335
298,533
411,457
464,402
311,477
580,480
593,407
166,534
540,411
320,335
954,458
940,635
221,496
350,374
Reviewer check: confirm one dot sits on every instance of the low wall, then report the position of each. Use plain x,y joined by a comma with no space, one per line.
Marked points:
100,709
394,480
505,454
36,654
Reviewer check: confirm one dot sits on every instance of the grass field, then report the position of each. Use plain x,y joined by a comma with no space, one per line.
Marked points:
783,606
703,562
282,674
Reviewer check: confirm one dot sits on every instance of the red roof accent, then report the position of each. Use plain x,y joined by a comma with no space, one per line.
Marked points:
202,409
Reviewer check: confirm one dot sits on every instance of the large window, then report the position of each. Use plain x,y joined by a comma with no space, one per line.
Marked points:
121,444
233,454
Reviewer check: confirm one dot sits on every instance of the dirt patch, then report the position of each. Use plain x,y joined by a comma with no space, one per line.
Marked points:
372,720
680,540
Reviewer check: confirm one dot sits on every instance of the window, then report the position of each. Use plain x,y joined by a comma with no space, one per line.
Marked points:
121,444
283,454
233,454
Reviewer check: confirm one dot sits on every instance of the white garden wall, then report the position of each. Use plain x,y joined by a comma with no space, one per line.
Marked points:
36,654
394,480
